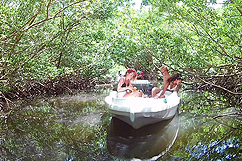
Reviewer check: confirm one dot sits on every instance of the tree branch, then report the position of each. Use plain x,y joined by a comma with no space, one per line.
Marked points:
225,89
237,7
50,18
47,9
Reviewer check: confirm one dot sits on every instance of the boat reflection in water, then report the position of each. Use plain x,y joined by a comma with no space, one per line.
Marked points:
148,142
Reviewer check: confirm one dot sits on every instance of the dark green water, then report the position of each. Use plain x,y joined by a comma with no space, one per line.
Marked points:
81,128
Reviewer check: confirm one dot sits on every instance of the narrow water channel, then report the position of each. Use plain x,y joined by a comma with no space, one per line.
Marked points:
81,128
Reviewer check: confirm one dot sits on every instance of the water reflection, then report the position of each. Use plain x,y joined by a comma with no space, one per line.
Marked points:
75,128
147,142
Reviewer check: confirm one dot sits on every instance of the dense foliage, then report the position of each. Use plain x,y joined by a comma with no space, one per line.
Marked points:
42,40
52,47
50,41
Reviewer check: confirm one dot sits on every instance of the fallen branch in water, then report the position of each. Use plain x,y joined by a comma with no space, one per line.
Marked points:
227,114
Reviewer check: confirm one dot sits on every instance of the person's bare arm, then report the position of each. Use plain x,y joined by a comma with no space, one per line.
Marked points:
120,83
164,90
120,88
178,86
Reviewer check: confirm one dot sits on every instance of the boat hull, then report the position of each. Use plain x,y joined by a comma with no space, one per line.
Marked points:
141,120
139,112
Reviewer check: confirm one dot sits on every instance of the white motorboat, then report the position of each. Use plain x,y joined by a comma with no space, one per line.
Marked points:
139,111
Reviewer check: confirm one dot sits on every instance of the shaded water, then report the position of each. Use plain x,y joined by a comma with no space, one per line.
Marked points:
81,128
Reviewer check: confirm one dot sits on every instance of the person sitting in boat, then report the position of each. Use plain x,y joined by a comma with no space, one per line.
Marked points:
140,75
173,84
125,88
165,72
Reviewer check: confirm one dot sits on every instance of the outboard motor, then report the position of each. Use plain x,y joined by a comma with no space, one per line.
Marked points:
149,89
